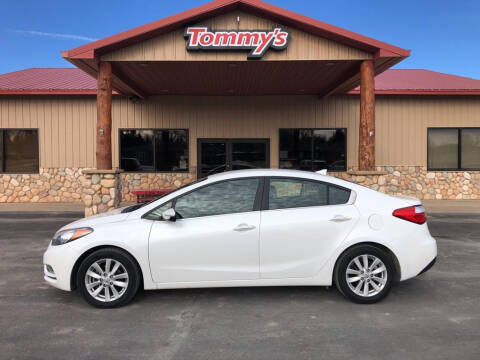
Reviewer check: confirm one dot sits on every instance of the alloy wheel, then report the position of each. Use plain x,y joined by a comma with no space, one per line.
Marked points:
366,275
106,280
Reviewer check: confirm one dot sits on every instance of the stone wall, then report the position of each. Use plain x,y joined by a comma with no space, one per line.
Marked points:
101,191
156,181
418,182
71,184
50,185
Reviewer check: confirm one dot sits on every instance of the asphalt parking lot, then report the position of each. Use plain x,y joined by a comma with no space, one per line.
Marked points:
435,316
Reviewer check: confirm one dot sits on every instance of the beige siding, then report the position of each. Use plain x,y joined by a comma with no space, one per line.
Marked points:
402,122
238,117
67,124
172,46
66,127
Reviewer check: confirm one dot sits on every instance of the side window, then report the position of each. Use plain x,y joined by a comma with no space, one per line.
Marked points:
295,193
157,213
227,197
298,193
338,196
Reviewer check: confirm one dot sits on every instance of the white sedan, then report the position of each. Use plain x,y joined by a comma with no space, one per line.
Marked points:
247,228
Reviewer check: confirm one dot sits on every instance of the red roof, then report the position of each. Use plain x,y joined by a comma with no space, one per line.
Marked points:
423,82
48,81
218,7
72,81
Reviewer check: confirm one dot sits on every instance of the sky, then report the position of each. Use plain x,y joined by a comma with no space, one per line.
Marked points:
443,35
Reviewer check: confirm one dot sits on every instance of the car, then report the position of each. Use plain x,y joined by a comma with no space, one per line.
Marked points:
263,227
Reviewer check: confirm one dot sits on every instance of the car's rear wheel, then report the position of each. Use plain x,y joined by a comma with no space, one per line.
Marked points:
108,278
364,274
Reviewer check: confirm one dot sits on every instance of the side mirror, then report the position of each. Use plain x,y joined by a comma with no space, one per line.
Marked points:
169,215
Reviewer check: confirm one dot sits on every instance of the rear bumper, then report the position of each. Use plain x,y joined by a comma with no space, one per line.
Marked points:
416,253
429,266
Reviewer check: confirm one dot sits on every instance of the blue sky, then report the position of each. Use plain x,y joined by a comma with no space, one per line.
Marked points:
443,35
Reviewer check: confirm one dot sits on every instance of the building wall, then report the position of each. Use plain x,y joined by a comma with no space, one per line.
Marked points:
239,117
67,137
402,122
66,127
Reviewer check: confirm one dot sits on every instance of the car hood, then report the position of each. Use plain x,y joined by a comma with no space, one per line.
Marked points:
100,219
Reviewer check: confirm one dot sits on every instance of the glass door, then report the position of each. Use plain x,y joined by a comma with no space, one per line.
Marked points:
219,155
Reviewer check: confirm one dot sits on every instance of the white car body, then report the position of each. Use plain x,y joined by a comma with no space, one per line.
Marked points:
297,246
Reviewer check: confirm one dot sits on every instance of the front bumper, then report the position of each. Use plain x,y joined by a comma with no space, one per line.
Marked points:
61,260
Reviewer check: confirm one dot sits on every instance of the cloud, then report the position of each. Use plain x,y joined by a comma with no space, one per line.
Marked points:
55,35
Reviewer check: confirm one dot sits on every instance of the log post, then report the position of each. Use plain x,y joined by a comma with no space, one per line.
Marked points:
104,117
366,144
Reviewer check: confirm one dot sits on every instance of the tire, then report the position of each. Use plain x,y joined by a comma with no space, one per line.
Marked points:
121,283
364,287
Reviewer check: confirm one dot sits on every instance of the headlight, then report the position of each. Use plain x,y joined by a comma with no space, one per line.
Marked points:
65,236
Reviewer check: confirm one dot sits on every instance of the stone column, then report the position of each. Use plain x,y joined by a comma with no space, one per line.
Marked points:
102,191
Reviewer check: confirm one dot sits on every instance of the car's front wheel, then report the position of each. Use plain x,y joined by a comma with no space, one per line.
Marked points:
364,274
108,278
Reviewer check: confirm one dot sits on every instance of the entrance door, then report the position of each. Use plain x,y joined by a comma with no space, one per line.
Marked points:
219,155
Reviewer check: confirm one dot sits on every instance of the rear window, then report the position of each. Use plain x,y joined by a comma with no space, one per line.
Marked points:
287,193
337,195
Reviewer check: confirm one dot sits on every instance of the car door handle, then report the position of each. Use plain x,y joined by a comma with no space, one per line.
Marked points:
244,227
340,218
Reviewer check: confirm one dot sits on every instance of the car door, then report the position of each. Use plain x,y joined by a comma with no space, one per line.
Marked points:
302,223
215,236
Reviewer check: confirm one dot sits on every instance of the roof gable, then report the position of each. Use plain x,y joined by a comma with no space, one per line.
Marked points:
219,7
171,46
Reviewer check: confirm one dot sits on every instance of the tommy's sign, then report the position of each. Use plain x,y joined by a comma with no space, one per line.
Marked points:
258,41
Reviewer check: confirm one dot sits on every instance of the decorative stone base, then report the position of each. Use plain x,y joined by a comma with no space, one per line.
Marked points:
75,185
153,181
418,182
50,185
101,191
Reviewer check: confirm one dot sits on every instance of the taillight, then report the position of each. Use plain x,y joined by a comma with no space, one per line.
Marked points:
415,214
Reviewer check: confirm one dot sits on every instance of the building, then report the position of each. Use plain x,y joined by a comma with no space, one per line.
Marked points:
228,85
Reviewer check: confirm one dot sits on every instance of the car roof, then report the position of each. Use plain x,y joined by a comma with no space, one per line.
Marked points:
276,172
259,172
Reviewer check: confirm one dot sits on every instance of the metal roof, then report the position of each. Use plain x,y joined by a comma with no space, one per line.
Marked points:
72,81
48,81
423,82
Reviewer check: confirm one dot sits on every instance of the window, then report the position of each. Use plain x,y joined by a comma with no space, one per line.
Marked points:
157,212
19,151
453,149
470,149
313,149
154,150
296,193
227,197
337,195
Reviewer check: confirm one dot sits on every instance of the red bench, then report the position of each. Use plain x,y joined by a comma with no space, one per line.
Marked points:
144,196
